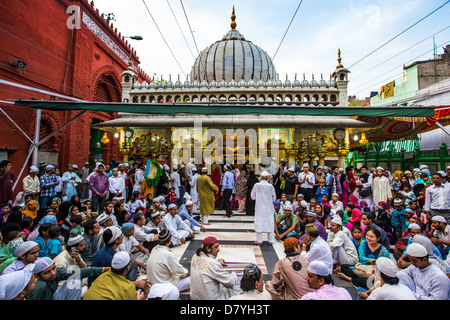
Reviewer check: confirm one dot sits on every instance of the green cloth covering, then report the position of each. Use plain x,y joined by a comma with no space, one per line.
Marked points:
224,109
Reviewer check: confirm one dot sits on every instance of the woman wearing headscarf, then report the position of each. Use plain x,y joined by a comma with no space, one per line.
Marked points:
354,200
8,255
250,203
345,189
351,179
215,177
241,190
31,209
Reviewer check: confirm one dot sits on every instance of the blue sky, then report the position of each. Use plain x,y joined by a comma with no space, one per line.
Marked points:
310,47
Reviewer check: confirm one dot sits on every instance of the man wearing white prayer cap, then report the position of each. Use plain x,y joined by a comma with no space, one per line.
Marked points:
388,286
31,183
306,180
319,279
381,188
179,230
70,258
163,291
113,284
440,235
18,284
27,253
425,279
59,283
264,195
342,248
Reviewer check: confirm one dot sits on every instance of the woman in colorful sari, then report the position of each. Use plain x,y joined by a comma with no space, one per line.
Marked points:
241,190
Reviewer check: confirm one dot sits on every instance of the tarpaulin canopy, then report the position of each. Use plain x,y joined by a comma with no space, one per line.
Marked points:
291,108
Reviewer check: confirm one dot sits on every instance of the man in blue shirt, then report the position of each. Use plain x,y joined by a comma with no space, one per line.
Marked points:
227,189
185,213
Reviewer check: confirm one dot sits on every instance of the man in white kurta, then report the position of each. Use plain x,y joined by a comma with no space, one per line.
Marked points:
209,279
163,266
71,181
319,249
194,193
381,188
365,181
264,195
342,248
175,182
425,279
138,178
178,229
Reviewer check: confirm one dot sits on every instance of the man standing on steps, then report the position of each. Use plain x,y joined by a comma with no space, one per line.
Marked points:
205,190
227,189
264,195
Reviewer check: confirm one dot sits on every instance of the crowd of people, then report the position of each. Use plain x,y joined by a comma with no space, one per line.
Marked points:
97,233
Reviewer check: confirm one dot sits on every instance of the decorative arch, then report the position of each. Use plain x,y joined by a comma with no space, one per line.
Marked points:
107,86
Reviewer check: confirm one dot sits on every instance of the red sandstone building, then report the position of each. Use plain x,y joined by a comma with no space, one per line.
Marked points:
78,54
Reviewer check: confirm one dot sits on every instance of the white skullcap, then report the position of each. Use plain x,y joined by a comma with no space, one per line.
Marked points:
43,263
155,214
287,207
12,284
439,219
407,171
102,218
424,241
116,232
116,198
172,205
398,202
34,169
204,169
335,194
341,169
49,167
303,203
423,166
25,247
416,169
442,173
265,174
120,260
319,268
337,220
74,240
291,169
194,169
305,165
189,202
380,168
386,266
165,291
448,167
416,250
187,196
414,226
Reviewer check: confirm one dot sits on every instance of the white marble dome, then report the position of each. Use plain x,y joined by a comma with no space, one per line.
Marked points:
233,57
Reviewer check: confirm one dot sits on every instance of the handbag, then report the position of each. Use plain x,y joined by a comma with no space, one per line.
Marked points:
365,191
360,269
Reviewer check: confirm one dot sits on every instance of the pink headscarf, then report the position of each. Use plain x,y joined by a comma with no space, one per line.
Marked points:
356,215
354,200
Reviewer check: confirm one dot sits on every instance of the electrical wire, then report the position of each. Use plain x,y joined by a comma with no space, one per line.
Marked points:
181,30
396,75
359,75
164,39
415,23
298,7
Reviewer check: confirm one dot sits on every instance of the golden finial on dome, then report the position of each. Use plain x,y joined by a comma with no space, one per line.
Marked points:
233,23
339,59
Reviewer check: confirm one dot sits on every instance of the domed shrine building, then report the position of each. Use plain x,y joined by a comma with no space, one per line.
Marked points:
235,71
